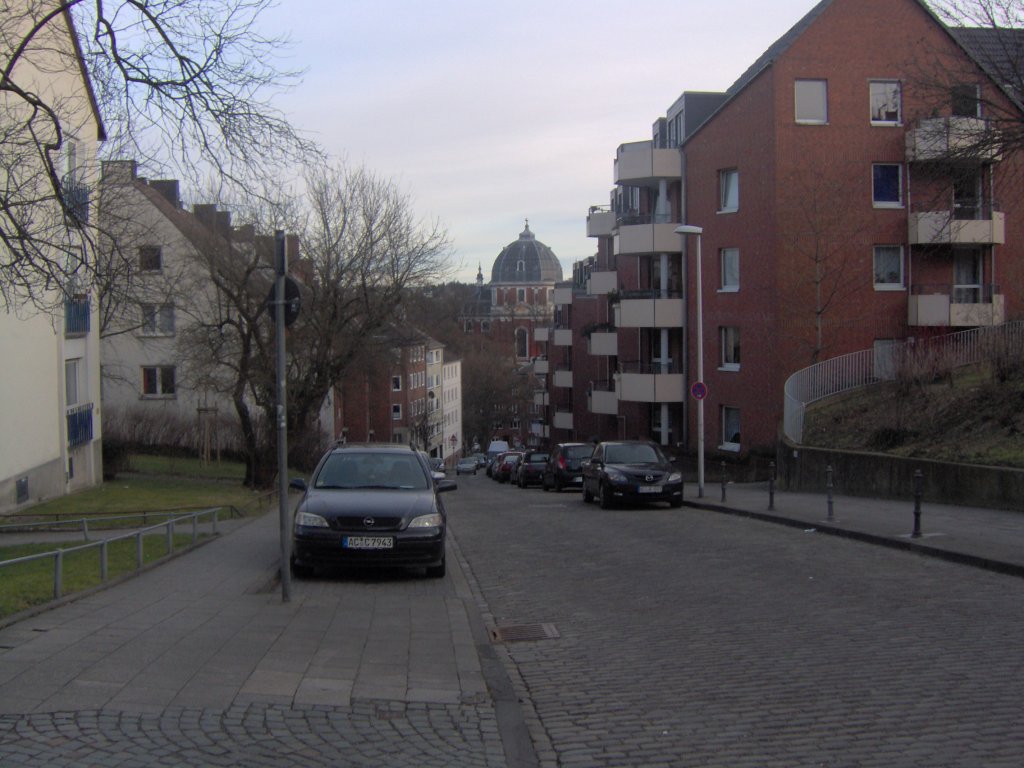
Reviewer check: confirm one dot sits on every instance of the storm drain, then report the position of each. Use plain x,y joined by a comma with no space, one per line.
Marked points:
518,633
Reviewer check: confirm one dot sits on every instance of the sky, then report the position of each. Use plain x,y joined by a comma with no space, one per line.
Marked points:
490,114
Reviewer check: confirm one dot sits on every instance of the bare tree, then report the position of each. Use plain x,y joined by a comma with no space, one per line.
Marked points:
184,85
362,248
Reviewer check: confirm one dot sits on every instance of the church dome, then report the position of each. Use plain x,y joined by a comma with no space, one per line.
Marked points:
526,260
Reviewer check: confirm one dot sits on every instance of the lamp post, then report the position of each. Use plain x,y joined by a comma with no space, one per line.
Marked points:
688,229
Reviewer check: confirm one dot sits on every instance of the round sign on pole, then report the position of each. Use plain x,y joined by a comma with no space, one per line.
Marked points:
699,390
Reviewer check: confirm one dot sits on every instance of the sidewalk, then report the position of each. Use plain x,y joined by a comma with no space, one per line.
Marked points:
985,538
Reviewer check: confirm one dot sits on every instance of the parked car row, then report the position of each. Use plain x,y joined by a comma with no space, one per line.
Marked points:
613,472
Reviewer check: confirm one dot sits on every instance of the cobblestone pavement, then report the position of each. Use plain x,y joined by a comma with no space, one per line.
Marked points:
692,638
198,662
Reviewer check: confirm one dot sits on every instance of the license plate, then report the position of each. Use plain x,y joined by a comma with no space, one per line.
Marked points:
577,479
368,542
649,489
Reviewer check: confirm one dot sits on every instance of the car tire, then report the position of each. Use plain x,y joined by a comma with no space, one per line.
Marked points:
436,571
605,494
299,571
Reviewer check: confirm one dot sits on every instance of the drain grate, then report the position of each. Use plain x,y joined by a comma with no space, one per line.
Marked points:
518,633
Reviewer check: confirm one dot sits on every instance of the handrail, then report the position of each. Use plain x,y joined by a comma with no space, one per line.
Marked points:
870,366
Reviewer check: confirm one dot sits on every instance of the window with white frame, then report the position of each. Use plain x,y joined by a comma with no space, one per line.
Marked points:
396,383
729,191
158,381
730,417
885,102
811,101
396,411
730,269
71,369
888,267
729,336
158,319
887,185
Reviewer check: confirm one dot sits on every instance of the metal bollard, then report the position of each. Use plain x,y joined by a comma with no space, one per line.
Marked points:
828,486
771,487
918,492
723,482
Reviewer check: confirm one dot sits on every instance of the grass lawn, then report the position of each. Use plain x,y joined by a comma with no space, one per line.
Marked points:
156,484
31,583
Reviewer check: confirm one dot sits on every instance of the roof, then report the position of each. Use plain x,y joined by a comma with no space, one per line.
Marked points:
526,260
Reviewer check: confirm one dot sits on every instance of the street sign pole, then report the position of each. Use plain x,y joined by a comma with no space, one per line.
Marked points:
281,267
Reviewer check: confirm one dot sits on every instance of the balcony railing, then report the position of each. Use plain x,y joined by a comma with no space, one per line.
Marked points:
954,140
966,224
76,316
956,306
79,425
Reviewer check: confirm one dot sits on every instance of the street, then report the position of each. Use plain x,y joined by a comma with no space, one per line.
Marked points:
690,638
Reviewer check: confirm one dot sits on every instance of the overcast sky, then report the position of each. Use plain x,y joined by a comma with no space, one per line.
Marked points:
488,114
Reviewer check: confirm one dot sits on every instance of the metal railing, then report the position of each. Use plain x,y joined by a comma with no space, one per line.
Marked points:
76,316
870,366
79,424
57,555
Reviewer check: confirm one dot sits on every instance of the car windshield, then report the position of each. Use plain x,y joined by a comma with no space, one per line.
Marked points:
631,454
371,470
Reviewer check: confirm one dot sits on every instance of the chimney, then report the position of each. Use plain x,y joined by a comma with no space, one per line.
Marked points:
168,188
118,171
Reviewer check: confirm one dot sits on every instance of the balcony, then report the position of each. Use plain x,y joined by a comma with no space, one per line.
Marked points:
634,312
561,296
952,139
541,334
941,228
562,337
647,234
541,398
562,420
956,307
640,164
76,317
601,283
76,200
79,425
603,399
600,222
563,378
650,383
604,343
540,366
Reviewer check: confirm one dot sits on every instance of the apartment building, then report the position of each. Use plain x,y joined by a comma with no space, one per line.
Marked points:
50,417
845,197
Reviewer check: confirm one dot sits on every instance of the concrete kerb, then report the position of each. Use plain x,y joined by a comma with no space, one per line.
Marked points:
900,543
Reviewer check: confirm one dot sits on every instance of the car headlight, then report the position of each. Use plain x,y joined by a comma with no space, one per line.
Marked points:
675,477
434,520
309,520
615,476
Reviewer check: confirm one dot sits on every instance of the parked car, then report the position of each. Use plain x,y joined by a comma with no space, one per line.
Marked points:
563,466
370,506
505,467
633,471
531,469
466,466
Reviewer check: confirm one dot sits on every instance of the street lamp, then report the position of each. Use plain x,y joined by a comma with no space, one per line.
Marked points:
689,229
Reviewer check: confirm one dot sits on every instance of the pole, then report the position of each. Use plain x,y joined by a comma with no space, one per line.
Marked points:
281,267
700,376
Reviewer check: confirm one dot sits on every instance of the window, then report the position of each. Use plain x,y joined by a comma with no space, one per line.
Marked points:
730,260
729,191
811,101
158,381
71,382
521,295
885,102
396,411
150,258
730,428
967,270
887,185
888,266
158,319
729,336
396,383
966,101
